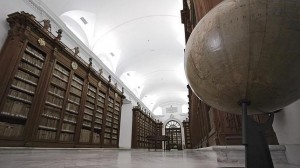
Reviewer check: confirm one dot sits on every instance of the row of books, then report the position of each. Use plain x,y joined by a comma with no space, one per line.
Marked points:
59,82
72,107
90,99
46,135
107,135
88,111
114,136
76,84
11,130
92,88
20,85
108,119
101,100
100,104
55,100
69,127
15,93
98,115
60,75
51,111
35,53
49,122
75,91
70,117
108,124
101,95
16,107
108,130
98,120
116,126
115,131
84,135
27,77
97,127
109,114
89,105
109,109
30,68
116,121
87,117
62,69
77,79
100,109
66,137
86,123
56,91
33,60
91,94
75,99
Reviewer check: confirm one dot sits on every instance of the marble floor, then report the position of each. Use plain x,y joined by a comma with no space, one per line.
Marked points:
103,158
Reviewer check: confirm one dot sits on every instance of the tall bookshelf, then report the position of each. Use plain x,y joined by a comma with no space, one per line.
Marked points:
49,96
144,125
187,133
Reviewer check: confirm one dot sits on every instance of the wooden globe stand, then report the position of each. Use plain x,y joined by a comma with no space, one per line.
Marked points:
257,152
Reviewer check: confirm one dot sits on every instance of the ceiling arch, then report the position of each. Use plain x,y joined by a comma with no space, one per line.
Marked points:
141,41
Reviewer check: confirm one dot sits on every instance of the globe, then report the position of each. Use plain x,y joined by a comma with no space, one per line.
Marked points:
246,49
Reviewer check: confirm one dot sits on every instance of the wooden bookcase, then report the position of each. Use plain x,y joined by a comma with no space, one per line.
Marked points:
144,125
49,96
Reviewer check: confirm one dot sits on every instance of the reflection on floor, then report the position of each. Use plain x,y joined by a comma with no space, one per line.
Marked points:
104,158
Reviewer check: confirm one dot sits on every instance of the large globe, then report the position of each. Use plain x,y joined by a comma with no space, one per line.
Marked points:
246,49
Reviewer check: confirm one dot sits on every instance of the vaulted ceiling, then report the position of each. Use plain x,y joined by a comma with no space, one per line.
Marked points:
141,41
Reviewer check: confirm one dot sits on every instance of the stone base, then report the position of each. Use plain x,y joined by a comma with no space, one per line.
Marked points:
234,156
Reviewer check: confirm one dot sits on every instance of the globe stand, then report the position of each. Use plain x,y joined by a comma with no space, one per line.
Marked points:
257,152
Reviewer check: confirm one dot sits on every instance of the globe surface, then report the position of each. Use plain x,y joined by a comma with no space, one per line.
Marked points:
246,49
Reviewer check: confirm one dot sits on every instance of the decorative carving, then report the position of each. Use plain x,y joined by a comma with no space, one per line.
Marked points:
47,25
100,71
109,78
76,51
41,42
74,65
59,32
90,61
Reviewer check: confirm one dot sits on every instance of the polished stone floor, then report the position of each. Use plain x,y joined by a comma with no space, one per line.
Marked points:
103,158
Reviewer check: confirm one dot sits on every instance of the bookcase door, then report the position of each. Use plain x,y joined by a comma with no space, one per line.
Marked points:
51,117
18,102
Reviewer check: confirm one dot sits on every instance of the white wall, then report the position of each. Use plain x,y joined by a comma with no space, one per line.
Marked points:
126,125
6,8
287,127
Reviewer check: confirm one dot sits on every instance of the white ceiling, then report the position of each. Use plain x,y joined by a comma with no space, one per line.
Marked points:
141,41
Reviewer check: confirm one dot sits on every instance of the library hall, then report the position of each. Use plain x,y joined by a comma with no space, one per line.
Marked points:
150,83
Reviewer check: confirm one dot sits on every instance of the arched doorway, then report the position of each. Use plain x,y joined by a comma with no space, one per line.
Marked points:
173,130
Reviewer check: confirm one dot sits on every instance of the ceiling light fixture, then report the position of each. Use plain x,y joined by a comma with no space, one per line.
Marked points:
83,20
112,54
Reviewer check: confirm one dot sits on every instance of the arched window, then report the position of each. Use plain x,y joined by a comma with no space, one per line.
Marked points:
172,124
173,130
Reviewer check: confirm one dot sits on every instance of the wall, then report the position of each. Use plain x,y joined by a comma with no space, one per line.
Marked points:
8,7
286,125
126,125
